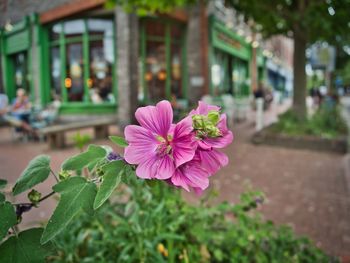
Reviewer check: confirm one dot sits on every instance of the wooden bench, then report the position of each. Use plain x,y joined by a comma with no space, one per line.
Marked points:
55,133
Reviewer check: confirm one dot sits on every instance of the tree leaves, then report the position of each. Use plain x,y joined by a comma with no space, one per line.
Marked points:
119,141
25,248
2,198
111,179
76,194
8,218
79,161
36,172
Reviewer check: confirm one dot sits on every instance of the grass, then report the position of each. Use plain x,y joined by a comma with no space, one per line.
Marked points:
325,123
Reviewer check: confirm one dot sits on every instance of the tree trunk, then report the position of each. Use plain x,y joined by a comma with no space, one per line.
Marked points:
299,82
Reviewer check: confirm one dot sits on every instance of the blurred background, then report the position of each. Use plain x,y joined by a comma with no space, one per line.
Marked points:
280,70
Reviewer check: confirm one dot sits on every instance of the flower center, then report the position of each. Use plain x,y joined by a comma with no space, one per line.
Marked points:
164,146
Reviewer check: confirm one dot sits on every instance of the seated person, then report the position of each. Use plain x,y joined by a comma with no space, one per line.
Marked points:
13,120
21,106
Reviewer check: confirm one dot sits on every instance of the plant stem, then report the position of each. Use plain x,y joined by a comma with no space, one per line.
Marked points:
25,207
57,180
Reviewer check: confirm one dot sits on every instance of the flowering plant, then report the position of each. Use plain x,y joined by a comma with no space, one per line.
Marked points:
184,155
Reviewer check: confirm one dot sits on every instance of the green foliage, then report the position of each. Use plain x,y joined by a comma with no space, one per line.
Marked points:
2,198
76,194
119,141
110,181
143,8
8,218
93,154
155,225
345,73
298,17
25,248
326,122
36,172
81,140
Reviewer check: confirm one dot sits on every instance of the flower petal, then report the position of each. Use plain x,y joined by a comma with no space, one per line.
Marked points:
204,108
147,169
192,175
219,142
165,167
141,143
184,143
156,118
178,179
213,160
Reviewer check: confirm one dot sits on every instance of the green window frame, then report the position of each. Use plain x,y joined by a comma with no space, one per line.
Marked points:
168,40
85,39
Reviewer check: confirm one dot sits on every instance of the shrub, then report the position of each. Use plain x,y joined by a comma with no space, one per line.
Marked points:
327,122
155,225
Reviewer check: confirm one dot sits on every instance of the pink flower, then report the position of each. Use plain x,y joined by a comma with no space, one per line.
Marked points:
226,136
212,135
157,146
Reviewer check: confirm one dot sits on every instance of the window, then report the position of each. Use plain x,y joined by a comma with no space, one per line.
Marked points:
21,71
82,60
162,47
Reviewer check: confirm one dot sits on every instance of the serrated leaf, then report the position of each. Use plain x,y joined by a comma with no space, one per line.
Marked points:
76,194
3,183
81,160
119,141
111,179
25,248
8,218
36,172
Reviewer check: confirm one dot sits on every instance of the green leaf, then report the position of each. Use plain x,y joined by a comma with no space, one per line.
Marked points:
2,198
119,141
8,218
36,172
81,160
25,248
76,194
3,183
111,179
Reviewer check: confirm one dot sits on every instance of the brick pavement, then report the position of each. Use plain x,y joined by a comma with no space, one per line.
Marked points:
304,189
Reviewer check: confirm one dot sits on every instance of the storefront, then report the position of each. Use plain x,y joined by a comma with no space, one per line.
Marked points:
163,71
72,61
229,61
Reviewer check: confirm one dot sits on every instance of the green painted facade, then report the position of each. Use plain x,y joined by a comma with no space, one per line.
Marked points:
229,60
28,33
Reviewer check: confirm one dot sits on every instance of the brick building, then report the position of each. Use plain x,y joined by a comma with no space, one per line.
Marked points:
102,61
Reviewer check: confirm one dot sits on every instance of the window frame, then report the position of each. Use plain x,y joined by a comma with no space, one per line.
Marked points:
85,39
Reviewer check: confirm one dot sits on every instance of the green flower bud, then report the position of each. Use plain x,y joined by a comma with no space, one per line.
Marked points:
34,196
198,122
214,117
213,131
63,175
99,171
